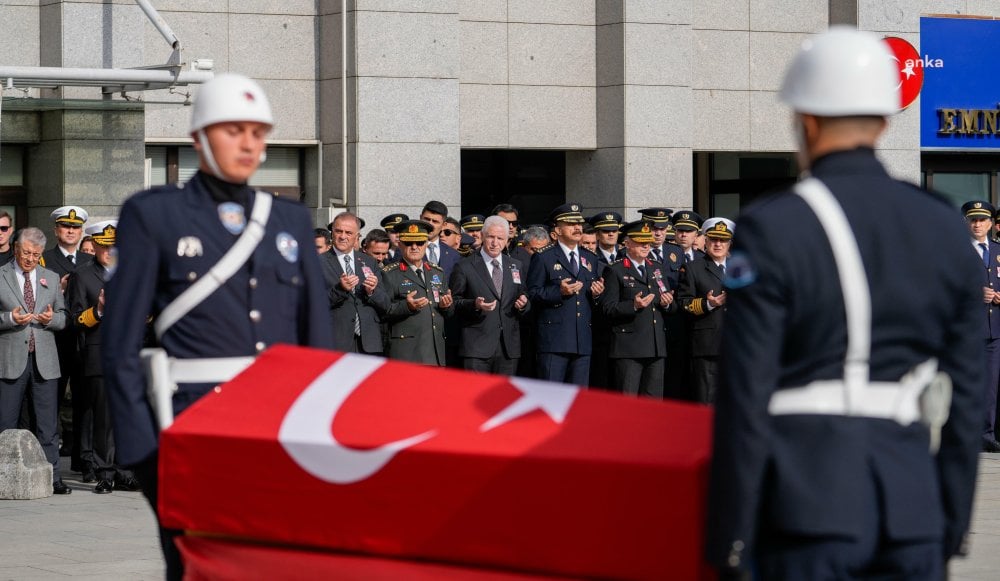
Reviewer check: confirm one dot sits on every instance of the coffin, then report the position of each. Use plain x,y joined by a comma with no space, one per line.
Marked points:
323,451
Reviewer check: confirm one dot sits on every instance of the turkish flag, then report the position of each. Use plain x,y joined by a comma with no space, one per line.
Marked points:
907,61
315,449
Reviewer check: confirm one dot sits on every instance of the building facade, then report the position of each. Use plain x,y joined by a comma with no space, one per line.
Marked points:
617,104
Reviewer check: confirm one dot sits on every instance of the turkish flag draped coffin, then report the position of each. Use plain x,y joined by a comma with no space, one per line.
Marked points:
361,454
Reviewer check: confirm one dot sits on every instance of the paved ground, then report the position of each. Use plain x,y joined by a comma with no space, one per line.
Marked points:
113,536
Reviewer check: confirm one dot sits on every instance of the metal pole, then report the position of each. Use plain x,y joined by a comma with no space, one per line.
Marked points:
160,24
69,76
343,99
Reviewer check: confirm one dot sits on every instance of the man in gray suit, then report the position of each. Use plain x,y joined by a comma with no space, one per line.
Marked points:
31,311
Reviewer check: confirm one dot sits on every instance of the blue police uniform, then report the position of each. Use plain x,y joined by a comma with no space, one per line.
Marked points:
837,483
563,323
168,238
991,279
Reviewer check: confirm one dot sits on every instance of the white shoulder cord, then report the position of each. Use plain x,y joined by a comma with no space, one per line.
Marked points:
853,284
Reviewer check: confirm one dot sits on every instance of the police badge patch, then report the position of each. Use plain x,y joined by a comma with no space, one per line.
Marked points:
739,271
288,246
233,217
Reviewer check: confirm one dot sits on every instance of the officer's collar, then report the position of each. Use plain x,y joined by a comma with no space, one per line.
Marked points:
222,191
853,161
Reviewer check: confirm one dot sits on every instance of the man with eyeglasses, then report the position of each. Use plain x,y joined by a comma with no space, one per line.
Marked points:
6,230
421,300
451,234
31,311
64,258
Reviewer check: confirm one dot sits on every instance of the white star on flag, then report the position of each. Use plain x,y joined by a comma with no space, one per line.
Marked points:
908,71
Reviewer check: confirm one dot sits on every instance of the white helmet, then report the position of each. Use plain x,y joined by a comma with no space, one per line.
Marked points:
230,97
840,73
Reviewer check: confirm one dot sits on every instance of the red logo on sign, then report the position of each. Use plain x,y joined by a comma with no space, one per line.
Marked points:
910,67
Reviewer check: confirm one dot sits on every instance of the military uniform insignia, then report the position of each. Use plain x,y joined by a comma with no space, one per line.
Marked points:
739,271
557,267
189,247
672,257
435,279
998,258
288,246
233,217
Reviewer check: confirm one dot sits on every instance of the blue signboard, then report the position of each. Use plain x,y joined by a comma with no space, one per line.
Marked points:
960,101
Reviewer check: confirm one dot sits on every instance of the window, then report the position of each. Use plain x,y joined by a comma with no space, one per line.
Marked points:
281,172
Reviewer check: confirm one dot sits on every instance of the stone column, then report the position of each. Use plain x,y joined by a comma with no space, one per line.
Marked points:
644,104
403,104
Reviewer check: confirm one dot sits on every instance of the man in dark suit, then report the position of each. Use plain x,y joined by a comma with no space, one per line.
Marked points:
6,232
436,213
85,301
564,284
703,298
420,300
636,300
978,215
606,227
357,300
489,290
63,259
31,311
830,460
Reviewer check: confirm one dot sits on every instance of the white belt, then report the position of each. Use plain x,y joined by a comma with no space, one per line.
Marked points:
207,370
922,395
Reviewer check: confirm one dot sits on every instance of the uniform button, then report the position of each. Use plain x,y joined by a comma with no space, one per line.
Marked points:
734,561
295,280
260,346
255,316
578,314
738,546
253,282
192,275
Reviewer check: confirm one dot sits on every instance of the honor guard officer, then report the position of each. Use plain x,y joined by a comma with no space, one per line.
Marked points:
225,271
63,259
420,300
978,215
564,284
635,301
389,225
704,300
836,453
686,225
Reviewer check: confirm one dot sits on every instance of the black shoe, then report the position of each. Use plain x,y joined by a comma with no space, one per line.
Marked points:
127,483
991,446
58,487
89,476
104,487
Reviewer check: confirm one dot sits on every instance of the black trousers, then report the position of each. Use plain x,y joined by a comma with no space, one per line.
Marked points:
499,364
640,376
147,473
705,371
44,406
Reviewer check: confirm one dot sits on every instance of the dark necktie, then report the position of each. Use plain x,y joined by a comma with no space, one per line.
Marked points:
497,276
985,251
350,272
70,257
659,254
29,302
420,275
722,267
642,271
574,266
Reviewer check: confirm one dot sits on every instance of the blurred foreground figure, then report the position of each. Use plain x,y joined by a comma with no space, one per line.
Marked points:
837,452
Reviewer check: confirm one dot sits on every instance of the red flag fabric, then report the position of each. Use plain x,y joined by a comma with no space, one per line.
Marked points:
316,449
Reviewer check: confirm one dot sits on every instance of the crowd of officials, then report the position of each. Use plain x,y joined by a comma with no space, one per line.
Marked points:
634,307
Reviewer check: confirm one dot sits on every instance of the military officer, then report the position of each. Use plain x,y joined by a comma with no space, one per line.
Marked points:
607,225
64,258
564,284
388,224
472,225
687,226
978,215
172,238
677,368
635,301
704,300
830,405
85,301
420,300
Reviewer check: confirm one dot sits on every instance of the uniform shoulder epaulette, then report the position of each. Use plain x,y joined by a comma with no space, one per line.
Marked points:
390,267
619,261
546,248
